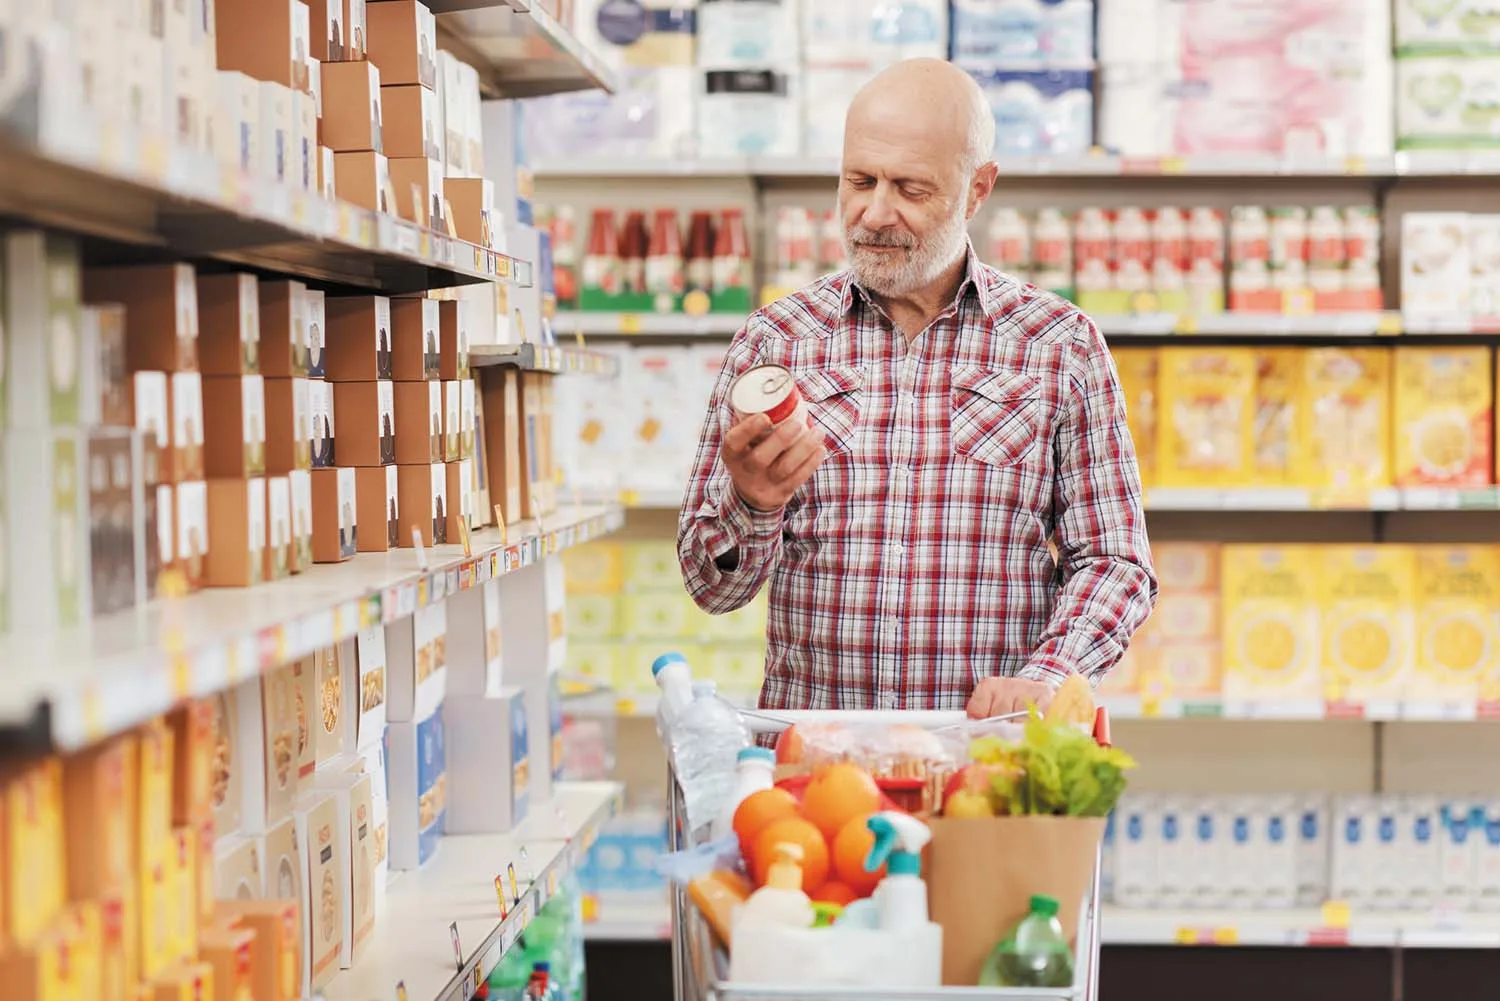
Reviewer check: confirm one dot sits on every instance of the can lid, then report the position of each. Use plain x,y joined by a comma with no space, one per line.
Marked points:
666,660
760,389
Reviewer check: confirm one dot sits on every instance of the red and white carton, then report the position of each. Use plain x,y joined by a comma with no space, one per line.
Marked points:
794,246
1288,236
1361,234
1008,242
830,242
1325,251
769,390
1132,250
1249,235
1169,249
1051,249
1093,250
1206,247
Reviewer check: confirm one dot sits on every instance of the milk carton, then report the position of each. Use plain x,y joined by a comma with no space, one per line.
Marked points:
1174,873
1420,839
1458,852
1385,883
1276,853
1487,861
1313,846
1240,852
1207,844
1352,835
1137,850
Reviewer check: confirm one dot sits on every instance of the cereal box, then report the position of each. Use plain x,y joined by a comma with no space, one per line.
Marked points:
1349,420
1280,457
1365,602
1205,425
1458,631
1443,406
1137,369
1269,623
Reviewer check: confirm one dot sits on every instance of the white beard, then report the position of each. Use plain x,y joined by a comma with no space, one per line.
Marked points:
901,274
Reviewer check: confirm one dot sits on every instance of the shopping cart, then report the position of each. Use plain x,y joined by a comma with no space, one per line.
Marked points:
700,967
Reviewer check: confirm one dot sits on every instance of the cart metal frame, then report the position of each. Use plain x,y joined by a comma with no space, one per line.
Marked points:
700,968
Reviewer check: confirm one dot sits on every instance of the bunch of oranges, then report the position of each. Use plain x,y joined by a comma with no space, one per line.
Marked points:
828,823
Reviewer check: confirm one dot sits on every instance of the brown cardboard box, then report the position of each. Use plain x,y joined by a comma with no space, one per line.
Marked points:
330,34
335,522
185,409
453,322
423,504
467,412
418,183
316,315
502,430
231,953
415,340
283,329
359,339
265,39
403,42
473,201
352,112
302,507
289,430
161,313
279,541
363,179
278,943
452,421
411,122
320,400
234,422
190,516
193,742
229,324
379,493
460,497
236,532
419,422
99,798
367,422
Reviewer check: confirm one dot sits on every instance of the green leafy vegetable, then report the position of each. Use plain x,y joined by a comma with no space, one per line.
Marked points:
1059,771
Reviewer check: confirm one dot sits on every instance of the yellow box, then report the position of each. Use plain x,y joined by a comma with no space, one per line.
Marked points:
1205,424
84,926
1366,596
156,789
1280,457
1269,623
1125,677
118,948
1349,419
183,876
593,616
156,917
1188,567
1189,669
597,568
193,748
737,670
656,616
35,884
594,660
746,625
1137,368
1457,620
99,795
1444,407
188,982
51,968
652,566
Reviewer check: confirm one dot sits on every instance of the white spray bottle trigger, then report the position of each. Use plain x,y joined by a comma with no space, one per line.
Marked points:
899,840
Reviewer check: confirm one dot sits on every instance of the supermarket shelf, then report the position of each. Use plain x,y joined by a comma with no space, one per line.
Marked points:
601,324
519,49
1263,929
412,944
544,358
1087,166
128,190
69,689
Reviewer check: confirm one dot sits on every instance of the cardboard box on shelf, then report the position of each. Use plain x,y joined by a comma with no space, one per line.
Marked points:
305,697
182,879
359,339
350,794
234,426
302,519
150,415
329,37
315,314
419,422
416,664
99,800
501,388
473,201
415,339
1365,599
185,413
1443,417
423,504
236,532
453,353
418,183
288,424
352,112
371,657
1272,650
238,873
229,324
486,734
193,744
278,941
283,329
460,497
321,841
335,524
333,725
410,128
190,519
378,491
1457,588
41,281
230,952
1349,395
328,173
403,42
418,783
225,787
367,428
278,124
236,122
452,421
1206,428
467,417
363,179
268,41
104,380
161,311
320,399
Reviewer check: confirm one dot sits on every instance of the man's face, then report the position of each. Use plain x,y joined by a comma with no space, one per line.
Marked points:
904,206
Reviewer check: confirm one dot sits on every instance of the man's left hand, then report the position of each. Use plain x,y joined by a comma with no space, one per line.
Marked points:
1002,696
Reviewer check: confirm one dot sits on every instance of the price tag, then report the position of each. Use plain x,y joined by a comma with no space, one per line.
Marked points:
401,991
510,871
630,323
458,951
500,524
1335,914
1297,302
624,707
416,542
463,535
93,715
1186,936
1173,165
500,896
1388,324
1186,324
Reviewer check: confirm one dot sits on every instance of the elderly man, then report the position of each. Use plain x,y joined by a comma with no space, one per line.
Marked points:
959,419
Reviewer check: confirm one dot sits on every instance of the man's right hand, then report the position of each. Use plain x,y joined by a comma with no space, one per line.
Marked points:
767,463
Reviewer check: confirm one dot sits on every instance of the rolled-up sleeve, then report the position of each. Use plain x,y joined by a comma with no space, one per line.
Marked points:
1108,583
727,549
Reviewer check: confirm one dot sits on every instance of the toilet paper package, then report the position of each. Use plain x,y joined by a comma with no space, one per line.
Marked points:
748,113
1447,102
638,32
852,34
650,115
826,94
1128,31
1023,34
1423,26
1040,113
748,34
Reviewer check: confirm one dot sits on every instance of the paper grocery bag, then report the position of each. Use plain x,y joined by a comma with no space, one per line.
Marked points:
982,873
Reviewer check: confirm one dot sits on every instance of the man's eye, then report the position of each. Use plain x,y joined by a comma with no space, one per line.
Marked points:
861,182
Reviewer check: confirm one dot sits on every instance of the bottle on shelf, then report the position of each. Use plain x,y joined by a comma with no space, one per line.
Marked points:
755,769
698,266
731,270
1035,954
664,278
675,679
633,245
601,265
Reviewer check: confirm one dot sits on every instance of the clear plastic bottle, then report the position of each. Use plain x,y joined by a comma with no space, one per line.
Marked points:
675,679
509,979
1034,954
542,986
703,745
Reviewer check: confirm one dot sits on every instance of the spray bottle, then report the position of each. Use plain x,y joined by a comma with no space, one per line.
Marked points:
901,897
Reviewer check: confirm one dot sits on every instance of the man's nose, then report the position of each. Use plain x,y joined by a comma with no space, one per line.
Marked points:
881,211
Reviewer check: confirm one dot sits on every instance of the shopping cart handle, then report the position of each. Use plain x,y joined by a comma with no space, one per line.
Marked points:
776,720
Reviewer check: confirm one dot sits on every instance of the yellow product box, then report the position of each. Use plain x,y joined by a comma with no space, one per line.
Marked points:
193,742
737,670
596,568
1205,423
35,878
183,875
1444,408
118,947
1188,669
187,982
1188,606
1348,410
1187,567
593,616
1280,456
596,661
99,797
156,917
83,924
657,616
1269,623
652,566
744,625
157,787
1137,368
1125,677
61,965
1366,597
1457,620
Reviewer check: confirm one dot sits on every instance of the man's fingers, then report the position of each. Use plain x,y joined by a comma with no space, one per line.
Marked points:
744,434
770,448
797,453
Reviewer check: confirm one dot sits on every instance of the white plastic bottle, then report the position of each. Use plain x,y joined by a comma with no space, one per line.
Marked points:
754,770
675,679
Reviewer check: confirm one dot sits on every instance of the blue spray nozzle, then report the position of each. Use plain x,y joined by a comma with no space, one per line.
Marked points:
899,839
666,660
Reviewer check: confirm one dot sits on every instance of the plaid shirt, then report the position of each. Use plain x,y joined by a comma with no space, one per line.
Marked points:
915,562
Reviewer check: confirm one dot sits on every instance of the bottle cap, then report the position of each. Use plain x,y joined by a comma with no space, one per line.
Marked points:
1045,906
786,872
757,754
666,659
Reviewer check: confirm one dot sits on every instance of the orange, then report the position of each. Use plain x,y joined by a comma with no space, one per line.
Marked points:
796,831
850,849
757,810
838,794
834,892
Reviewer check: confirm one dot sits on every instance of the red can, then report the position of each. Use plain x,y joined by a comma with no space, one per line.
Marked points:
769,390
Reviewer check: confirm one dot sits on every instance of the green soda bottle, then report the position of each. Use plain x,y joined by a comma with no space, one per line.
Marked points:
1034,954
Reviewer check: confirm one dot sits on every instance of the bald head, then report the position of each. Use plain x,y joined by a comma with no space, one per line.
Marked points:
928,103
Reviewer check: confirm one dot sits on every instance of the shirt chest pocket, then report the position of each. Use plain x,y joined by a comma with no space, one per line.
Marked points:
834,399
997,416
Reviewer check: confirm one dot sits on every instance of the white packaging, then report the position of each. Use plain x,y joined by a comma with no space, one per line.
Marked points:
1435,265
748,34
1274,873
1425,26
1023,34
1350,867
1484,265
660,445
1240,855
1313,849
1385,851
826,94
370,653
748,113
417,765
556,597
1041,113
1444,102
1204,860
1458,854
1487,861
1137,850
276,133
1418,865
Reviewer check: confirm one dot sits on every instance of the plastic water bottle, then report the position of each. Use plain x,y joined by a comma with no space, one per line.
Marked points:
1035,954
675,679
542,986
754,770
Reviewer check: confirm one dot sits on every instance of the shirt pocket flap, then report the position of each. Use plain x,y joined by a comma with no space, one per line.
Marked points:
832,396
821,384
997,387
995,414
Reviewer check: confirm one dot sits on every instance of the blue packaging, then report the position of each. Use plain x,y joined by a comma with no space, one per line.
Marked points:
432,766
525,180
1041,112
1022,34
555,718
520,750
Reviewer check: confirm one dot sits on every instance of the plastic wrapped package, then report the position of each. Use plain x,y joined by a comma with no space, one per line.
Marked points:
1023,34
1040,113
651,115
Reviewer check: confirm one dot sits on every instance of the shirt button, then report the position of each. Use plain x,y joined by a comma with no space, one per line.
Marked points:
888,700
897,549
903,472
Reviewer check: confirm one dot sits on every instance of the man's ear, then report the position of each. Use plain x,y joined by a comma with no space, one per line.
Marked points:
980,187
